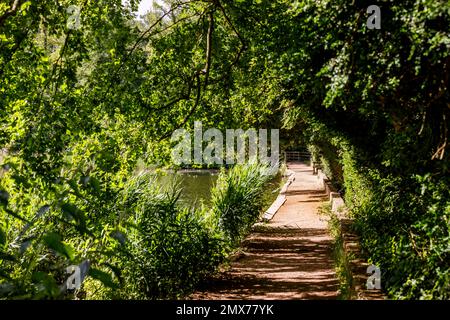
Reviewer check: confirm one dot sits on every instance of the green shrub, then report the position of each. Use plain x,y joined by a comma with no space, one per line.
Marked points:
405,229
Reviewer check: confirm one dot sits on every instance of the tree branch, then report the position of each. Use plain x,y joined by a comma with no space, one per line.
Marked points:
191,111
141,38
14,7
219,5
209,47
241,39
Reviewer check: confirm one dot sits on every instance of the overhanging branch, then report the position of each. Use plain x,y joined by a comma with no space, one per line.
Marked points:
12,11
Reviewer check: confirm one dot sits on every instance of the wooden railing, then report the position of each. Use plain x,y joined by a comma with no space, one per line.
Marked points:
296,156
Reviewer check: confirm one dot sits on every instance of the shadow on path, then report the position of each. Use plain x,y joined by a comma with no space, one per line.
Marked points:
288,258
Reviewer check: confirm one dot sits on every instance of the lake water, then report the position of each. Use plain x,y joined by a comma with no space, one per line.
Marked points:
197,185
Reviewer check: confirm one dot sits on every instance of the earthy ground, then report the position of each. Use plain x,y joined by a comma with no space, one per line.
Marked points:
288,258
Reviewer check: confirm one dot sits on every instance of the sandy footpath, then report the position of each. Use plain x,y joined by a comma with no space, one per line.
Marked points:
288,258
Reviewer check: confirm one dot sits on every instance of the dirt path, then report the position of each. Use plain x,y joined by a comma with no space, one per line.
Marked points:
288,258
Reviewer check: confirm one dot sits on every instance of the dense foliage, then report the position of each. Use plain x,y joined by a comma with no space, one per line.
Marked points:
149,247
374,105
80,108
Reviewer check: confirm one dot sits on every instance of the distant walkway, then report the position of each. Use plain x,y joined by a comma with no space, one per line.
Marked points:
288,258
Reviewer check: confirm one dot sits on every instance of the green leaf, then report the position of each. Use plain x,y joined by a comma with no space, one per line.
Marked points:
76,214
103,277
74,186
2,237
116,270
53,241
25,5
46,285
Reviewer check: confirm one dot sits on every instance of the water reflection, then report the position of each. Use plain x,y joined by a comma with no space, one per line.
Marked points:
197,185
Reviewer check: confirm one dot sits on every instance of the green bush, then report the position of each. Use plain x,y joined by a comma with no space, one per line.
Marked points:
405,229
402,218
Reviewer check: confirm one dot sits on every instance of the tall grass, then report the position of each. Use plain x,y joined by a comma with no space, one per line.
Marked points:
237,198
